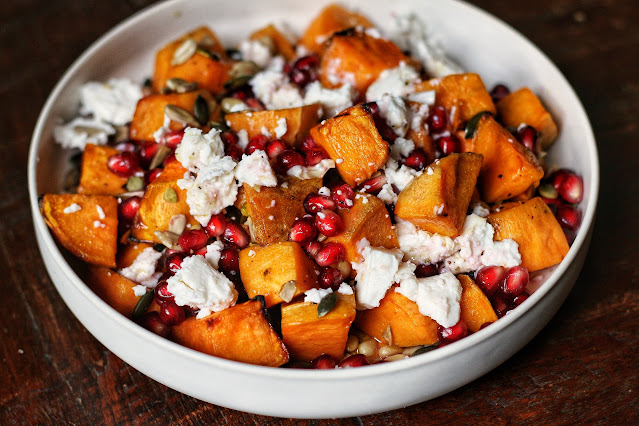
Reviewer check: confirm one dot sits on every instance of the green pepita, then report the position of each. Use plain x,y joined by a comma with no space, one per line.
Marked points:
135,183
327,304
471,126
170,196
201,110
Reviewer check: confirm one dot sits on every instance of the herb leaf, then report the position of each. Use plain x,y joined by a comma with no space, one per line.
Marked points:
143,304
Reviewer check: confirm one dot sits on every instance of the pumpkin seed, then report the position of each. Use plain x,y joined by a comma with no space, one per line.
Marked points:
230,105
388,335
237,82
207,53
243,69
143,304
218,125
269,43
170,196
177,224
184,52
135,183
425,349
195,226
389,350
352,343
180,115
201,110
471,126
159,157
206,41
90,131
367,347
179,85
126,195
288,290
327,304
395,357
169,239
548,191
121,133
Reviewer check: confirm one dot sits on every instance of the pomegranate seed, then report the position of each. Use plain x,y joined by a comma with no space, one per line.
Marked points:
501,304
330,278
173,262
329,223
162,294
301,77
571,188
174,138
315,155
437,120
344,267
486,324
289,159
200,252
312,247
374,184
385,131
236,234
416,159
330,254
152,175
303,230
123,164
308,144
234,151
454,333
126,146
275,147
229,262
448,145
557,178
304,70
255,104
489,278
323,362
520,299
343,195
499,92
257,142
216,225
357,360
568,217
527,135
169,159
229,137
424,271
192,240
315,203
515,281
191,310
240,94
152,322
171,313
128,208
307,62
147,152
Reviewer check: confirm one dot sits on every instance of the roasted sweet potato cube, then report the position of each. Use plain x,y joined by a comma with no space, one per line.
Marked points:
357,58
352,140
437,200
524,107
209,72
86,225
149,112
331,19
306,336
475,307
408,327
113,288
273,210
509,168
542,242
240,333
96,178
464,92
155,211
128,253
283,45
163,68
267,270
296,121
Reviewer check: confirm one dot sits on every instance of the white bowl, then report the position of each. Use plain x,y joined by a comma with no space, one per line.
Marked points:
480,43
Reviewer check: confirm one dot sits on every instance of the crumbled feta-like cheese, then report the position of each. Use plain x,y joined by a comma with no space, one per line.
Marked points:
401,148
437,297
199,285
256,51
397,81
480,209
281,128
255,170
72,208
324,191
140,290
393,110
333,101
251,253
100,210
387,194
345,289
160,134
112,102
315,295
335,75
213,253
242,139
81,131
375,274
421,246
98,224
426,98
274,88
197,151
418,118
400,176
142,270
312,172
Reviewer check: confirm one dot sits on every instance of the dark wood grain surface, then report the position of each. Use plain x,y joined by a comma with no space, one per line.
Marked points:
582,368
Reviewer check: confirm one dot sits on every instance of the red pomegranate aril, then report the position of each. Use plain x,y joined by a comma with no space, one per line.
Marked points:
168,160
289,159
234,151
515,281
148,151
173,261
301,77
323,362
437,120
343,195
308,144
569,217
520,299
501,304
374,184
229,137
448,145
216,225
312,247
171,313
200,252
193,239
191,310
499,92
486,324
255,104
557,178
330,254
303,230
571,188
416,159
314,156
308,62
275,147
236,234
527,135
257,142
154,323
330,278
126,146
152,175
425,271
128,208
489,278
162,293
329,223
385,131
357,360
453,333
174,138
123,164
314,203
229,262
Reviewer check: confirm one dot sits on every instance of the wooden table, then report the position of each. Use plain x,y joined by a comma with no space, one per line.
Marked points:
583,367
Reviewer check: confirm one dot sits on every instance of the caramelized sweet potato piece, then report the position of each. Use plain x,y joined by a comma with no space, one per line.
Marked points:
509,168
91,232
273,210
407,325
357,58
128,253
209,72
265,270
475,306
113,288
283,45
240,333
542,242
298,122
524,107
306,336
96,178
437,202
352,140
332,18
155,212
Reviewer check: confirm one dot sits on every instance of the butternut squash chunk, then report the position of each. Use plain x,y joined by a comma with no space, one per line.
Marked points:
509,168
265,270
437,202
408,326
283,45
524,107
240,333
475,306
210,73
542,242
128,253
353,142
96,178
90,233
332,18
298,122
306,336
114,289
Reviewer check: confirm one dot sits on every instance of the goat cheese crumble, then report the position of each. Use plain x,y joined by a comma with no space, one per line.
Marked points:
255,170
197,151
143,268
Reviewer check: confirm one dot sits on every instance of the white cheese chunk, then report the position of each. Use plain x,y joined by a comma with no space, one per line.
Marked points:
197,151
255,170
312,172
397,81
143,268
81,131
112,102
375,275
333,101
437,297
